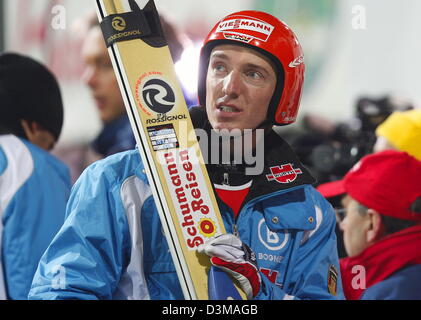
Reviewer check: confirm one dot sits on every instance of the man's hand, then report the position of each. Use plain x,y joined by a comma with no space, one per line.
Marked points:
237,259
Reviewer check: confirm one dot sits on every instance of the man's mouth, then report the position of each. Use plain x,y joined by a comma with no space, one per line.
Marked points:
228,109
100,102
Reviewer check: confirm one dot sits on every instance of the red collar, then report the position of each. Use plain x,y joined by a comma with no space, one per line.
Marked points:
381,260
233,196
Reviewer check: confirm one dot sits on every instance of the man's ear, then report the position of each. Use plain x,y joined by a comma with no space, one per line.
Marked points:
37,135
376,228
28,128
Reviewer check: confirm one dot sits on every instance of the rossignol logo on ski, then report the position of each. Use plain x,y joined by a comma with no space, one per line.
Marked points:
118,23
158,96
124,26
120,30
154,93
284,173
165,118
245,28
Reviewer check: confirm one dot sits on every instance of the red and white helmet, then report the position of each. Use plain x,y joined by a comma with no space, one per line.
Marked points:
270,36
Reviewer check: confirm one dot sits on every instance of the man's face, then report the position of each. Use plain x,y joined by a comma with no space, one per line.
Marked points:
100,77
239,86
355,227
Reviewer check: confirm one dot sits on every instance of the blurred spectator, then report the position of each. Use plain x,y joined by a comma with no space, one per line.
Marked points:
382,230
116,134
34,185
401,131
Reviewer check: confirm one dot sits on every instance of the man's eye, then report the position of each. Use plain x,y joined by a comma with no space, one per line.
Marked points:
106,66
219,68
255,75
103,64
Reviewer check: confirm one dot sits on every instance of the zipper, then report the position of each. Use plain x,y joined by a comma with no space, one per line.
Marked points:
227,183
235,230
226,179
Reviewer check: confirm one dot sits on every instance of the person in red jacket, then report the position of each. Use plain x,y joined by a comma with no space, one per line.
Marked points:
381,227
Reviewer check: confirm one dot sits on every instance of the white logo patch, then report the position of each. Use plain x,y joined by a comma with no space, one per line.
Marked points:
247,27
297,61
270,239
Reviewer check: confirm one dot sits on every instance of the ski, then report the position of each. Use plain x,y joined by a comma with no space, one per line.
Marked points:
165,136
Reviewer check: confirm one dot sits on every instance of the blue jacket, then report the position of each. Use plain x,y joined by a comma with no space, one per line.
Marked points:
34,188
111,245
404,284
115,137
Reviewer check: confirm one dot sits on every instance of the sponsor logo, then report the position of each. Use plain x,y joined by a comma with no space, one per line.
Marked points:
123,35
165,118
248,27
118,23
284,173
207,227
238,37
289,118
332,280
269,239
270,257
158,96
154,93
297,61
189,195
272,275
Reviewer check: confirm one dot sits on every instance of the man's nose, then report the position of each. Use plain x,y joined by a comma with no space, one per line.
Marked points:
342,225
89,77
232,84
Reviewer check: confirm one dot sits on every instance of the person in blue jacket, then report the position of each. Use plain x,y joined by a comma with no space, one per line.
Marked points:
280,241
34,185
